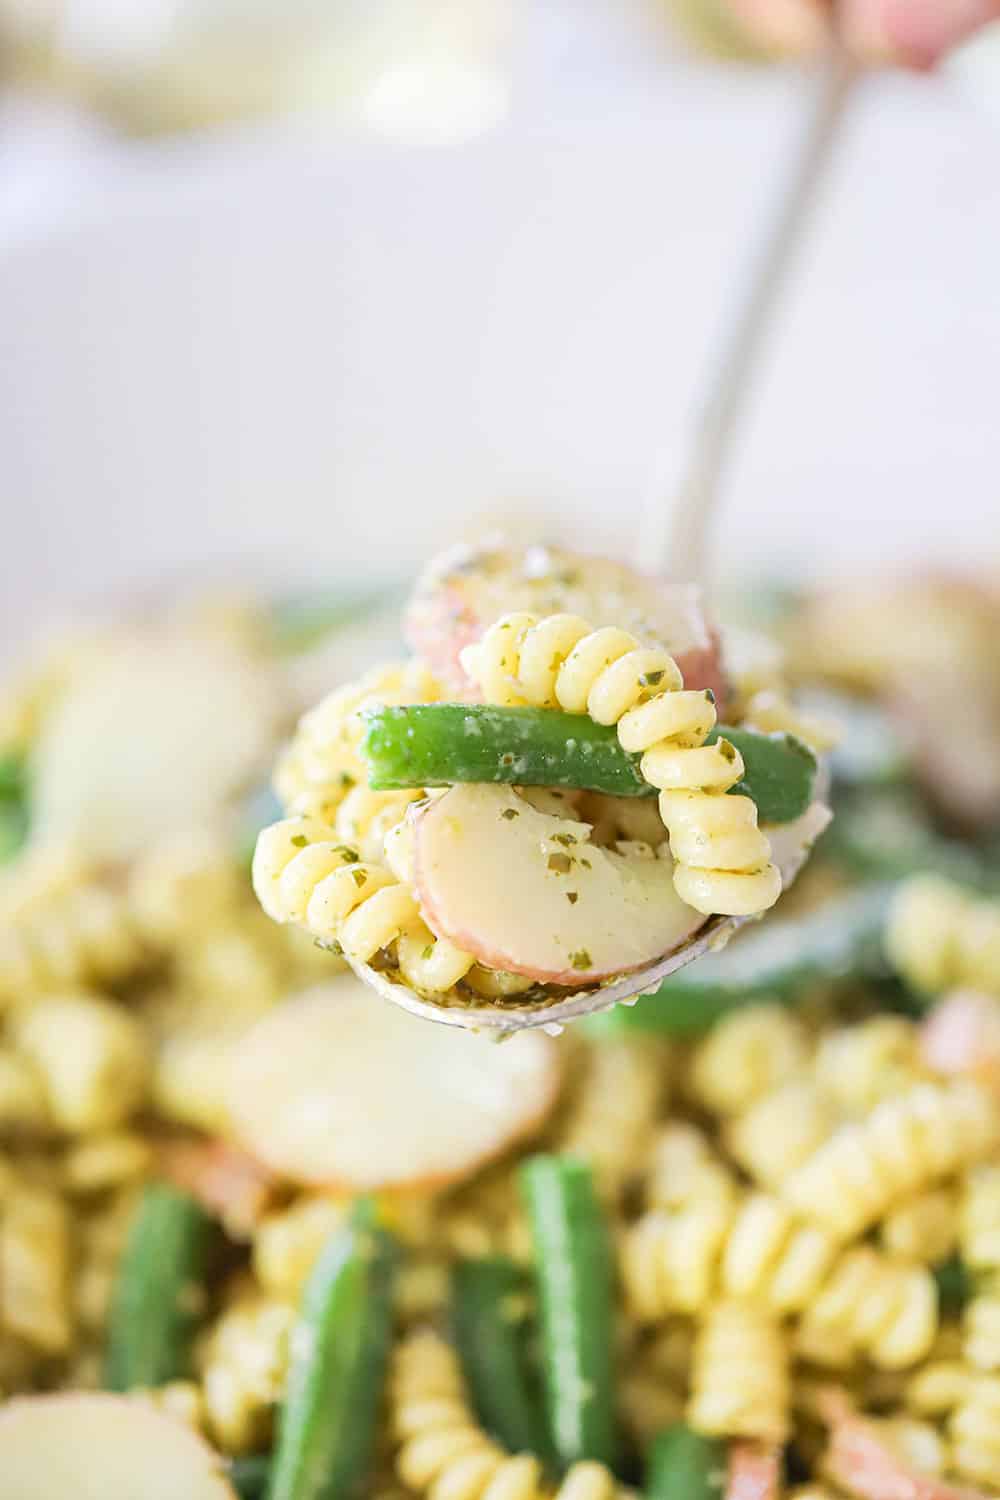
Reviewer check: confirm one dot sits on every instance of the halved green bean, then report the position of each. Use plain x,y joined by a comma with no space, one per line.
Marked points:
574,1278
157,1292
441,744
683,1465
326,1430
489,1298
778,959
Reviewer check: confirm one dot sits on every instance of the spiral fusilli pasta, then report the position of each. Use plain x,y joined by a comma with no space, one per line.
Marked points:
617,1100
858,1066
940,936
974,1429
979,1242
781,1130
770,710
758,1250
324,762
669,1257
923,1228
904,1145
745,1056
62,923
722,860
302,875
443,1450
736,1338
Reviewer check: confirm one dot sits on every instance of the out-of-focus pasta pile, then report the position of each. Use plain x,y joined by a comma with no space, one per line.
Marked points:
741,1239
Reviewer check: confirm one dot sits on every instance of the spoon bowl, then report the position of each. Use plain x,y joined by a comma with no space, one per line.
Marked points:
790,847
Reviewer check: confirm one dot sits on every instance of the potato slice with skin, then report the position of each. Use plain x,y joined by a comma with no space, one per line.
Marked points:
102,1447
462,592
335,1088
527,892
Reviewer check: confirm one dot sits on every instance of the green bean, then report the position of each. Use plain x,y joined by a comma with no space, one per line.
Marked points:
777,959
441,744
156,1296
326,1430
488,1302
683,1465
573,1272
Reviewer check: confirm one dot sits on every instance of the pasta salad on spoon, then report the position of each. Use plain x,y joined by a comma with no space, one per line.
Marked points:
540,814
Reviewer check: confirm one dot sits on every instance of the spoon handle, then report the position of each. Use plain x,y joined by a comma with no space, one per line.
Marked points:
674,539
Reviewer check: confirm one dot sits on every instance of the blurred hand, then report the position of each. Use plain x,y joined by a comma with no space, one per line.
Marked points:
918,32
914,33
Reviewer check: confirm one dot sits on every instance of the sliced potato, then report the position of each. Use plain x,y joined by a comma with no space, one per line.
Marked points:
157,734
101,1447
528,892
464,591
337,1088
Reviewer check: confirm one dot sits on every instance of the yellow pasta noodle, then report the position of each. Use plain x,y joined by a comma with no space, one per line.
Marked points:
62,923
852,1302
979,1241
939,936
974,1430
324,761
722,860
302,875
857,1066
739,1375
770,710
243,1368
745,1056
35,1258
92,1058
903,1145
781,1130
618,1096
924,1227
444,1452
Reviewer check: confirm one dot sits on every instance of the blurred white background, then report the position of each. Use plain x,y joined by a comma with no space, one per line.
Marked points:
303,349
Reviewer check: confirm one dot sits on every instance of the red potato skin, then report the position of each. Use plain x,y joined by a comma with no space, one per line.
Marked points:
492,958
753,1472
961,1035
227,1181
861,1461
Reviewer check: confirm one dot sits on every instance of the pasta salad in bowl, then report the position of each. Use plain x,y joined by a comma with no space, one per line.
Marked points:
262,1235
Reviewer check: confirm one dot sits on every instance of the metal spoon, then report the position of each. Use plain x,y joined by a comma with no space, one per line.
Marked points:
679,536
